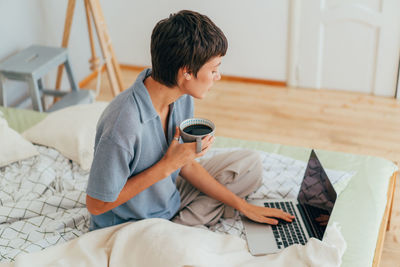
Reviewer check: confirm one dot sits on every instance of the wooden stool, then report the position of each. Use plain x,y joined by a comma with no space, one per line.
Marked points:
30,65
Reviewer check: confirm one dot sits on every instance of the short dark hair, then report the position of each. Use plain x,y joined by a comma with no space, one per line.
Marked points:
185,39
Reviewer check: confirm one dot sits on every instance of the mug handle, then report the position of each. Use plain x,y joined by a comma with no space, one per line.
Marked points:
198,144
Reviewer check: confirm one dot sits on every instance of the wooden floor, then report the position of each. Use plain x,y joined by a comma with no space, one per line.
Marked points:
332,120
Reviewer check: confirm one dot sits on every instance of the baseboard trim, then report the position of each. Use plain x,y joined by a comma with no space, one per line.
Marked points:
229,78
90,77
133,67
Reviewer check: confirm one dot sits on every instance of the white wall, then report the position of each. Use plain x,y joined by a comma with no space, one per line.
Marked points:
19,27
256,32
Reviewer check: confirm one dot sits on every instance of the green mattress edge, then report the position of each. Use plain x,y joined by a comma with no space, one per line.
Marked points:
359,208
21,119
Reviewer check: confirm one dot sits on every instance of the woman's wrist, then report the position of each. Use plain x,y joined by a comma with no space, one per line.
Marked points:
166,167
240,204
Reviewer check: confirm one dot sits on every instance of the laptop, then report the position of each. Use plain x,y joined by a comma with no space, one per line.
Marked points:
312,210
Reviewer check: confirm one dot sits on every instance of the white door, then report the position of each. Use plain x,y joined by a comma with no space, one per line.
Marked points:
345,44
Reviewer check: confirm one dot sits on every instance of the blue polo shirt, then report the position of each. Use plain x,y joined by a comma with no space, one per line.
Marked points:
130,139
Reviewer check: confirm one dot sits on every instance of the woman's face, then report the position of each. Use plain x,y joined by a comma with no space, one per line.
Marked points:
208,73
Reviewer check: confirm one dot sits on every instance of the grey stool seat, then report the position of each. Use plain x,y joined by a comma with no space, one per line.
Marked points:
30,65
73,98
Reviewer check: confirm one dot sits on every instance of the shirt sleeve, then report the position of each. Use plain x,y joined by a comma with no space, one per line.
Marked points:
110,170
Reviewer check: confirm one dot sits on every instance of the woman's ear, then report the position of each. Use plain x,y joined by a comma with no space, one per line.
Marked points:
186,73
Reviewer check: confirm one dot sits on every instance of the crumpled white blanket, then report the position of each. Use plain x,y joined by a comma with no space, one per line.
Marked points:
158,242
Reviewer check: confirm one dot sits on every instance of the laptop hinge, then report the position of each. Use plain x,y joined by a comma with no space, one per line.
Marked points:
306,219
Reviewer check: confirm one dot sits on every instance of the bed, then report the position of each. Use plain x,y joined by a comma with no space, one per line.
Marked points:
51,188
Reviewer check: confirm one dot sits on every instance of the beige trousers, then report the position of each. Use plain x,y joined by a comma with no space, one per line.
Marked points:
240,171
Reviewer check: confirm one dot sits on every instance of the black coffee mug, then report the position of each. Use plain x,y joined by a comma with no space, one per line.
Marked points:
195,129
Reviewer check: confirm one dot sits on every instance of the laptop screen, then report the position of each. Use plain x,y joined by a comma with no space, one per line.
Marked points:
316,196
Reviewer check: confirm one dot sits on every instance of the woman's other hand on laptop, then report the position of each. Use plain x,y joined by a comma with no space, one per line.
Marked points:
322,219
265,215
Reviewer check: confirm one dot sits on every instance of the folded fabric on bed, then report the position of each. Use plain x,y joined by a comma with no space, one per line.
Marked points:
158,242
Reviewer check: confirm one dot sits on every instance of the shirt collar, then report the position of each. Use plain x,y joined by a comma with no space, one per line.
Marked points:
145,106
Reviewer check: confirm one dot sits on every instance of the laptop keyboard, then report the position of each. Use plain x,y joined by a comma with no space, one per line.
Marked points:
285,233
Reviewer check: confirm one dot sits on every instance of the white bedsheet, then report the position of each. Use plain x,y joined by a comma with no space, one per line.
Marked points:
158,242
43,201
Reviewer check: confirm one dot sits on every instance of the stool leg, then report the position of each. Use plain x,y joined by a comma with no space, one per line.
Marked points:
74,86
3,100
41,94
35,95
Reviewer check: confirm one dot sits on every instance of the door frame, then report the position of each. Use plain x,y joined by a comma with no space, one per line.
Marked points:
398,82
293,43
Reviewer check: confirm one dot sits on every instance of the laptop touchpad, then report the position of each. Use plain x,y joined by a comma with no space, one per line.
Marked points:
260,238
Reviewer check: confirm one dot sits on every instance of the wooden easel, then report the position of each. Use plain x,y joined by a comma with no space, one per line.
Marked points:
94,12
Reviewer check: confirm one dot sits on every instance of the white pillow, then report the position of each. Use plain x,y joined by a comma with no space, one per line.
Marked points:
13,147
71,131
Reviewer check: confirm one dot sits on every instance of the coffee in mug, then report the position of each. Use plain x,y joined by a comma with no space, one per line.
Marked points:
198,129
195,129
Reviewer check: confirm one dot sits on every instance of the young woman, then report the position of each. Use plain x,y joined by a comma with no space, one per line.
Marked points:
141,169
